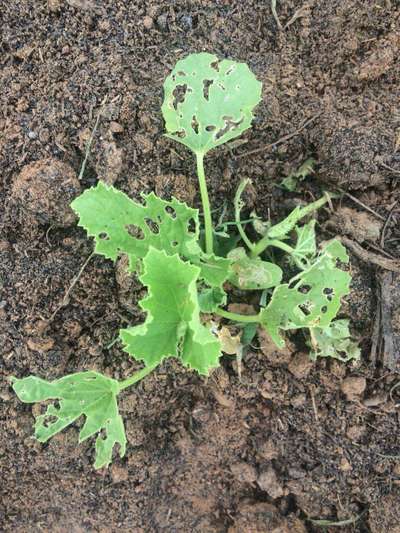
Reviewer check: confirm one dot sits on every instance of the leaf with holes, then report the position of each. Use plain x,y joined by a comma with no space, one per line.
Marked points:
312,298
120,225
252,274
172,327
85,393
208,102
334,341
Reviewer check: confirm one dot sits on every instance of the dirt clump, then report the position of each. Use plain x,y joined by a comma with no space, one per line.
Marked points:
43,191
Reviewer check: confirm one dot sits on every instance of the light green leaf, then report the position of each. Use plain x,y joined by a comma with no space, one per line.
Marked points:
290,183
208,102
334,341
252,274
172,327
312,298
210,299
280,230
120,225
85,393
306,246
213,270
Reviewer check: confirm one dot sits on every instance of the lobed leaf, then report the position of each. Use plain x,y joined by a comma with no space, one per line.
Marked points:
84,393
120,225
208,102
172,327
312,298
334,341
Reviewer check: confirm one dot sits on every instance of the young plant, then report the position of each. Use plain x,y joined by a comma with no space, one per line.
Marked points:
207,103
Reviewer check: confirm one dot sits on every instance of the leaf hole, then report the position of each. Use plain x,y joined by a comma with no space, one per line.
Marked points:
103,434
211,127
175,243
181,134
229,126
324,309
305,308
195,124
304,289
49,420
170,211
181,73
179,95
329,293
134,231
153,227
191,226
230,70
104,236
206,88
215,65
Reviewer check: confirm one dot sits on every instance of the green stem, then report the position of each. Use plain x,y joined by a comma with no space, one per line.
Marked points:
238,208
265,242
236,317
208,228
137,376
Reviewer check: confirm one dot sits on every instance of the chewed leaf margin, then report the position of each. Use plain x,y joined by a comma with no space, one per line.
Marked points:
83,393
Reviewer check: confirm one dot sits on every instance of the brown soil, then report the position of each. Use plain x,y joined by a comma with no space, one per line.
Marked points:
289,440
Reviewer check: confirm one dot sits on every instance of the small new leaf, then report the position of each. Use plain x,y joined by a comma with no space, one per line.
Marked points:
290,183
334,341
120,225
312,298
85,393
306,246
208,102
252,274
172,327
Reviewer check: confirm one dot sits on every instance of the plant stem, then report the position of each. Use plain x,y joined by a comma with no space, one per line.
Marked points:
238,206
137,376
265,242
206,203
236,317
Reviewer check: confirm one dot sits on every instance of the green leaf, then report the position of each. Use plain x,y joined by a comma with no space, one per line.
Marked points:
213,270
208,102
306,246
120,225
334,341
280,230
290,183
252,274
211,298
312,298
172,327
85,393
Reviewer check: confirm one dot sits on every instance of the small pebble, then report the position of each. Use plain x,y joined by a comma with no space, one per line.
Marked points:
353,386
148,22
32,135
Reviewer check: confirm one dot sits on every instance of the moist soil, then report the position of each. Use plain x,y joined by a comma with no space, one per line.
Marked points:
285,441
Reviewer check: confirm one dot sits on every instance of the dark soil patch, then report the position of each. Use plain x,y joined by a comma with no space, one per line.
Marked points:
287,441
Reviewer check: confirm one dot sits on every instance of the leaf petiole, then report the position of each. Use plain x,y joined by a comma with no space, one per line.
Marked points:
208,228
236,317
137,376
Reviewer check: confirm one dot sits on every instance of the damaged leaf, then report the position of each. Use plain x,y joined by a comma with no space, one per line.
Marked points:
208,102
